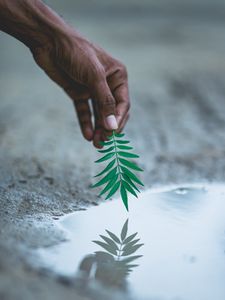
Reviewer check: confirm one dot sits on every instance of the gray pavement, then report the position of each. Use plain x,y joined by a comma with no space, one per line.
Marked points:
175,54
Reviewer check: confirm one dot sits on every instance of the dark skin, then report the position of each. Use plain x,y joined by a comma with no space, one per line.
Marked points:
88,74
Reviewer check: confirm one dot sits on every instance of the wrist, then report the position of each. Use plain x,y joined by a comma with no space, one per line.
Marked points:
32,22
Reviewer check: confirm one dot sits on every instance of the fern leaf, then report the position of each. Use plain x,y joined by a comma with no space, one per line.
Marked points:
106,157
107,177
123,193
113,190
113,236
107,247
118,252
106,143
131,175
131,250
122,147
109,166
124,231
109,185
129,188
130,244
106,150
122,142
110,242
127,178
117,173
127,154
119,135
130,164
130,238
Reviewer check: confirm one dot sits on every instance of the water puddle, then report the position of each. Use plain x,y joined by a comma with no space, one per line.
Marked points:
170,246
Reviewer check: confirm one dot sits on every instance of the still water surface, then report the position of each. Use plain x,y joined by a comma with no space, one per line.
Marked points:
178,251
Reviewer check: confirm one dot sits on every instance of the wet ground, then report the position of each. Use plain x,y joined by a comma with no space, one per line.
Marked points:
174,51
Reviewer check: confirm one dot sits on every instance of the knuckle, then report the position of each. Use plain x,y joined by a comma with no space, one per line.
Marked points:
122,71
118,76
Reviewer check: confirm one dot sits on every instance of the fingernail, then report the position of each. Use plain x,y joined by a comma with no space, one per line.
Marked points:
88,134
111,122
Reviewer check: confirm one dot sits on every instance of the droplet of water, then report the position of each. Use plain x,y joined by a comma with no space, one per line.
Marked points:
181,191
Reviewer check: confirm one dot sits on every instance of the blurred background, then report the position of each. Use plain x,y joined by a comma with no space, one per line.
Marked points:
175,55
174,51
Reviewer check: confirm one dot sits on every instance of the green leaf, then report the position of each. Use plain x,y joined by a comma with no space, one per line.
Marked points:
106,247
110,137
119,135
129,188
126,181
107,143
127,154
108,176
124,231
113,236
127,178
109,242
122,142
124,147
109,185
115,134
106,150
106,157
123,194
113,190
131,175
130,238
109,166
131,250
130,164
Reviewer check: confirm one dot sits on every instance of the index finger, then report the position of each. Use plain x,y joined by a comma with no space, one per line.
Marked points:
121,95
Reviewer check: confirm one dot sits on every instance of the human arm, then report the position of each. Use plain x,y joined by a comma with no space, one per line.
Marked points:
82,69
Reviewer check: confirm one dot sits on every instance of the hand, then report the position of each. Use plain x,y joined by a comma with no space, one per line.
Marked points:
82,69
85,72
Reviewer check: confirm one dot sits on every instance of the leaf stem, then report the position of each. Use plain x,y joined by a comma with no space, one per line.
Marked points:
117,158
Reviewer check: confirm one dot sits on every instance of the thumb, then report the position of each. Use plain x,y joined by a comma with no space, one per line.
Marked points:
106,105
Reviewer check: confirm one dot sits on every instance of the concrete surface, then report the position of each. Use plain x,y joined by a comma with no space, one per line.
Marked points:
175,54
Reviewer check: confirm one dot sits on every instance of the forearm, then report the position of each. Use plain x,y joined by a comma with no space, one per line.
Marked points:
30,21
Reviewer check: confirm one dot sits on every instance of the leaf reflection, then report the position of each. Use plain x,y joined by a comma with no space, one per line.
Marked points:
115,261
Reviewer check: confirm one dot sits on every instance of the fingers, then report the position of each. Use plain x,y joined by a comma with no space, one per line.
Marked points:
106,105
84,117
121,95
124,121
97,137
110,106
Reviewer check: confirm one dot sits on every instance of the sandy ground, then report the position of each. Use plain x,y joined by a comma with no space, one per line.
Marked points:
175,54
